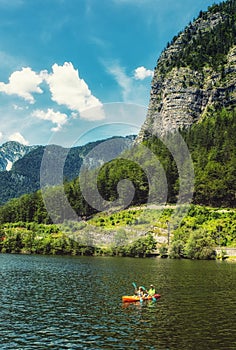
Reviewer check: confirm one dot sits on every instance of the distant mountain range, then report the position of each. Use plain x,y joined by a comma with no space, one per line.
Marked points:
20,165
11,151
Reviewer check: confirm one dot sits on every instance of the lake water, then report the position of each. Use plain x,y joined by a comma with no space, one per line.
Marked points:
75,303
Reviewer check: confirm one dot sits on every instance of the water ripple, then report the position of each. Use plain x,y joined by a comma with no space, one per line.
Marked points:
75,303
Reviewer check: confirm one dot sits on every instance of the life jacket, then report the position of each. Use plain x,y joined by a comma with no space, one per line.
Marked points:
152,291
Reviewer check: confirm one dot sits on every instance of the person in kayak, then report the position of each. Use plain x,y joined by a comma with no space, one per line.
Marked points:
152,290
141,292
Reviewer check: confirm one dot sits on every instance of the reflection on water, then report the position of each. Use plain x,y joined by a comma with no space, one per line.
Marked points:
75,303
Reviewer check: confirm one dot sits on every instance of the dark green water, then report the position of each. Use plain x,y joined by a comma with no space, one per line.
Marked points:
75,303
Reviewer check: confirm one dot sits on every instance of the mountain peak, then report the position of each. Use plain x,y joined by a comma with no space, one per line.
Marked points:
195,73
10,152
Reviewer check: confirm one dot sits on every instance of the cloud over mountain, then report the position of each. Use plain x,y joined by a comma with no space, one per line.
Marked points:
18,138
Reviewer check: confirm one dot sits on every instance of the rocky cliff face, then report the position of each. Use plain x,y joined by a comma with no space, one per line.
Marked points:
194,76
10,152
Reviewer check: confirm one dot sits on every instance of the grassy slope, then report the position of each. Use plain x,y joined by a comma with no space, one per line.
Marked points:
220,224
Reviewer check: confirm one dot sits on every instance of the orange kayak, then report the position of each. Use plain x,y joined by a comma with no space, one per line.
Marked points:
132,298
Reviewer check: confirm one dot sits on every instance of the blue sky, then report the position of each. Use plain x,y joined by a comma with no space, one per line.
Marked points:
73,71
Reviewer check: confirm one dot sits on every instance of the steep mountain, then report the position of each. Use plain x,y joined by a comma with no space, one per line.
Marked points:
10,152
24,176
196,73
194,91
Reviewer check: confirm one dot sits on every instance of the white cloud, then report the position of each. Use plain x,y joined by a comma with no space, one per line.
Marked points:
23,83
65,85
141,73
132,90
18,137
19,108
1,135
57,118
68,89
122,79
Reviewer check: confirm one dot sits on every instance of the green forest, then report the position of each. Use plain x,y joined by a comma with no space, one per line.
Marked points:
212,147
27,227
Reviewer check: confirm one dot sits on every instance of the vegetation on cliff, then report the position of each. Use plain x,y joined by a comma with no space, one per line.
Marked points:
206,41
134,232
212,146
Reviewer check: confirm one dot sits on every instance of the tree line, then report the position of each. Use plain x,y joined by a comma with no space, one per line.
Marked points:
32,238
196,237
212,146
